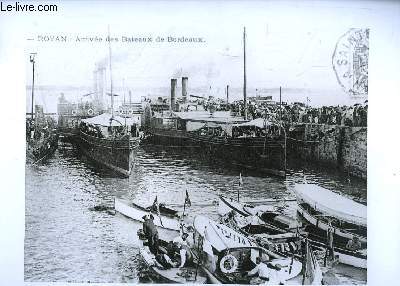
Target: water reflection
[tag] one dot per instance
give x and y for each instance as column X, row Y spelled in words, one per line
column 66, row 241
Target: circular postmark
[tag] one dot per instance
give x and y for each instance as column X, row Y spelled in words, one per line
column 350, row 61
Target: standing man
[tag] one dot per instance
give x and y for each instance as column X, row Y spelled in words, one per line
column 151, row 233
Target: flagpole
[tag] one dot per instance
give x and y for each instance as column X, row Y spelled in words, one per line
column 111, row 79
column 158, row 210
column 184, row 207
column 187, row 200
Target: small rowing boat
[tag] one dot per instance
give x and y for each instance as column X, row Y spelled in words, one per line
column 323, row 209
column 277, row 230
column 267, row 213
column 227, row 257
column 185, row 275
column 167, row 218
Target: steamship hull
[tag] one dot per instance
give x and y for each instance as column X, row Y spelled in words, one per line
column 267, row 156
column 115, row 154
column 171, row 138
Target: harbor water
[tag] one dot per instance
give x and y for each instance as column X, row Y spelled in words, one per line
column 66, row 240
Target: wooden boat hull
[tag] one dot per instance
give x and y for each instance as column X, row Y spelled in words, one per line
column 117, row 155
column 227, row 241
column 185, row 275
column 327, row 203
column 266, row 156
column 320, row 224
column 225, row 206
column 168, row 138
column 136, row 212
column 345, row 256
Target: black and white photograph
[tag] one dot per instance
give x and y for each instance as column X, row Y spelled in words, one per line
column 199, row 143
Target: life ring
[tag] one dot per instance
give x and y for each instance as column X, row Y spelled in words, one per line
column 228, row 264
column 90, row 111
column 73, row 112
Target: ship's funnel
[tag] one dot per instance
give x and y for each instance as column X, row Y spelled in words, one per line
column 184, row 89
column 173, row 88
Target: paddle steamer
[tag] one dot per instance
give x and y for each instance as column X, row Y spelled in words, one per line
column 255, row 144
column 109, row 139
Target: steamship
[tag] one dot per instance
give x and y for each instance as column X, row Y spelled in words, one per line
column 109, row 139
column 253, row 144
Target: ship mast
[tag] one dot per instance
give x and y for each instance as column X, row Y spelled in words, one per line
column 111, row 85
column 244, row 73
column 32, row 60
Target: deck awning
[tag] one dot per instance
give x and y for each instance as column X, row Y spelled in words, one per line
column 220, row 236
column 104, row 120
column 332, row 204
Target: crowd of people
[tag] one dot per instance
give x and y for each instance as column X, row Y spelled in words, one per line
column 354, row 115
column 240, row 132
column 94, row 131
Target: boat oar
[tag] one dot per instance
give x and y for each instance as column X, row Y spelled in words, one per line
column 198, row 259
column 258, row 202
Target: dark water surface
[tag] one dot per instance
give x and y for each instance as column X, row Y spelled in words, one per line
column 66, row 241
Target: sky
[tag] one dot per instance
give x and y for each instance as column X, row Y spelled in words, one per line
column 289, row 44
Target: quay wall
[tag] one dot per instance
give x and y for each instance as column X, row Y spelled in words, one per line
column 338, row 146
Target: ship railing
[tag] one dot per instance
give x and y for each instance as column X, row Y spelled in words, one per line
column 246, row 141
column 124, row 142
column 169, row 132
